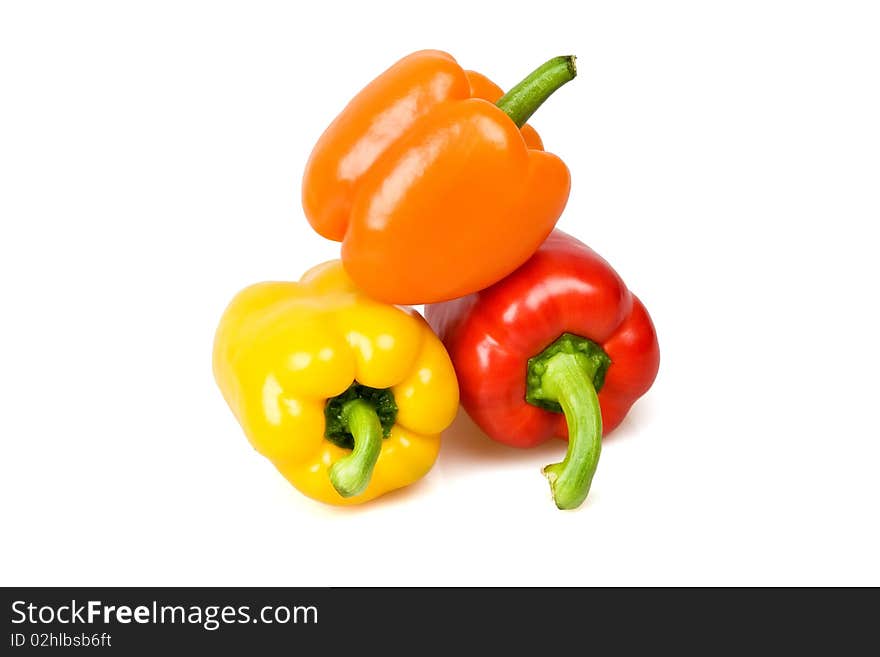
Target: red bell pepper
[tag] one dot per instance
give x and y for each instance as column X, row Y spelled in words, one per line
column 559, row 348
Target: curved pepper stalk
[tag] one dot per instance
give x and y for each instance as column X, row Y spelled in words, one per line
column 567, row 376
column 525, row 98
column 351, row 474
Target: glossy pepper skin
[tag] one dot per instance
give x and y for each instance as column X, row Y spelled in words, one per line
column 422, row 173
column 548, row 338
column 292, row 359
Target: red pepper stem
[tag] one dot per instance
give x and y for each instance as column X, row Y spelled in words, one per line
column 566, row 382
column 525, row 98
column 351, row 474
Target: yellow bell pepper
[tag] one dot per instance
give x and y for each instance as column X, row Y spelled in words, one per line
column 345, row 395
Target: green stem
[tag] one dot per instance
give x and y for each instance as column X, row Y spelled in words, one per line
column 351, row 474
column 524, row 99
column 564, row 382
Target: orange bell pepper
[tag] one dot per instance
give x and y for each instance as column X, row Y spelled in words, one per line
column 433, row 190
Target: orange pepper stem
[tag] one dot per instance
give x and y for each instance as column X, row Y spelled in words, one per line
column 525, row 98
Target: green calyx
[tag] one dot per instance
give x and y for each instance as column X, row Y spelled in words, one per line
column 566, row 378
column 358, row 419
column 588, row 355
column 337, row 429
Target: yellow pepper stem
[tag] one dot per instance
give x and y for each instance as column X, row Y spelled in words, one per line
column 351, row 474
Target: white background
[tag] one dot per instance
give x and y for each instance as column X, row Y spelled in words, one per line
column 724, row 156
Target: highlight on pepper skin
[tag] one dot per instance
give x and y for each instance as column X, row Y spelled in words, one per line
column 345, row 395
